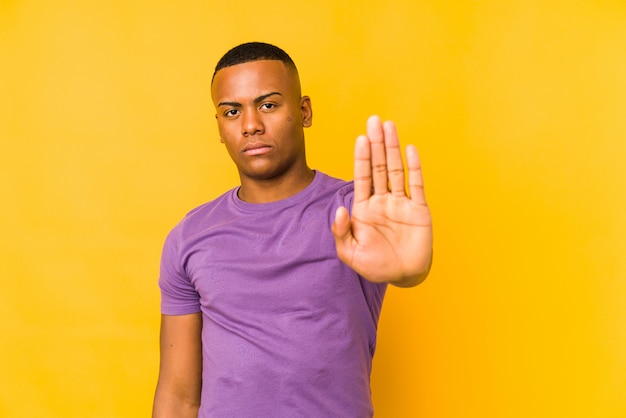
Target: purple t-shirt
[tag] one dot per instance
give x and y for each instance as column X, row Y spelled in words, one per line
column 288, row 329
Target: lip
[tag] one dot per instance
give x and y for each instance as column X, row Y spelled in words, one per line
column 256, row 149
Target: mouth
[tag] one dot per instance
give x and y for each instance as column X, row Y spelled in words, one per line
column 256, row 149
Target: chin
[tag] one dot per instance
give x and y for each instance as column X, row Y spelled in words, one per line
column 261, row 175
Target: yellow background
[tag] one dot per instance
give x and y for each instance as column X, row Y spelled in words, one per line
column 519, row 111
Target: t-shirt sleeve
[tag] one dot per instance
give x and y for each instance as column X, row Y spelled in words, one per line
column 178, row 294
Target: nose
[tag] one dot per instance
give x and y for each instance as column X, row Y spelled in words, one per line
column 251, row 123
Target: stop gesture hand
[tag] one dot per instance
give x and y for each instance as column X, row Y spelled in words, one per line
column 389, row 236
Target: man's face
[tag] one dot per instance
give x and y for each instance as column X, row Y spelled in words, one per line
column 260, row 117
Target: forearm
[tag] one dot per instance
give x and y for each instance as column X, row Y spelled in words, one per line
column 171, row 405
column 179, row 385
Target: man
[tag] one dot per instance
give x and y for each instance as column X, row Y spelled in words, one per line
column 265, row 311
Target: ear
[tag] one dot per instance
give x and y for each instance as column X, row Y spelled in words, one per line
column 307, row 111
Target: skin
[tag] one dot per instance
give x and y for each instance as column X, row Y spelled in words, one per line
column 180, row 371
column 261, row 116
column 390, row 236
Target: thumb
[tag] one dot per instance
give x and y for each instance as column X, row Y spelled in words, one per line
column 342, row 231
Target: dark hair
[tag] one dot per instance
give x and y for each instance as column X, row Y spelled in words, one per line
column 253, row 51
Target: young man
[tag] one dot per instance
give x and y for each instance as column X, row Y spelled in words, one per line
column 271, row 293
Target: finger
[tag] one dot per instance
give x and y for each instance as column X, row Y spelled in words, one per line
column 395, row 169
column 379, row 161
column 342, row 232
column 362, row 169
column 416, row 181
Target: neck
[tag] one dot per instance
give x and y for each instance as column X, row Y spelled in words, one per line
column 274, row 189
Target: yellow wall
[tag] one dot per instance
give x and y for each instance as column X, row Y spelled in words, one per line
column 518, row 108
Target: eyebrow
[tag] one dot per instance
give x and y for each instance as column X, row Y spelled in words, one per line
column 256, row 101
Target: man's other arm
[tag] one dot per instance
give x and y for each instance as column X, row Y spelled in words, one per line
column 180, row 372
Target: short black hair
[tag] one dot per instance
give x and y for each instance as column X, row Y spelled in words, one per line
column 253, row 51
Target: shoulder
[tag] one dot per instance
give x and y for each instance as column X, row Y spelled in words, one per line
column 211, row 205
column 204, row 214
column 333, row 183
column 341, row 190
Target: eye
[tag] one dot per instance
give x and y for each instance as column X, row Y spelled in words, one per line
column 268, row 106
column 231, row 112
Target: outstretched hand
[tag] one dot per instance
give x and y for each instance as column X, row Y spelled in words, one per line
column 389, row 236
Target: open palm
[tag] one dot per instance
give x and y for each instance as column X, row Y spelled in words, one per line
column 389, row 236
